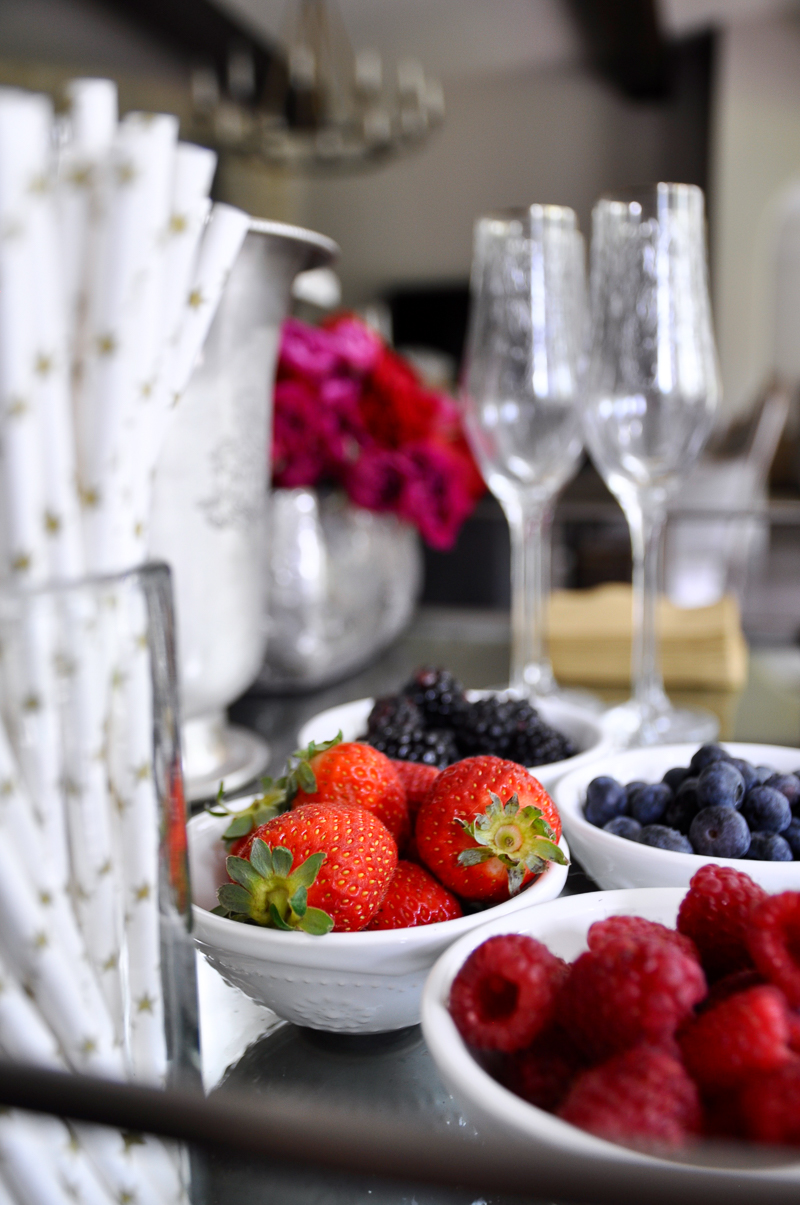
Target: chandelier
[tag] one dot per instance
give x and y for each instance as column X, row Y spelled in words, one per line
column 322, row 106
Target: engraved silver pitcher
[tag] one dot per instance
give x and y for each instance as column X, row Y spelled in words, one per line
column 209, row 507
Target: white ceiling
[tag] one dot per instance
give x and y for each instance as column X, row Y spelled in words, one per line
column 462, row 38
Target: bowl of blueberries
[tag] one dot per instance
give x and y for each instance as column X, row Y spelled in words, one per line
column 650, row 817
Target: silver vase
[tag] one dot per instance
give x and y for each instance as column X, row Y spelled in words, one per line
column 209, row 508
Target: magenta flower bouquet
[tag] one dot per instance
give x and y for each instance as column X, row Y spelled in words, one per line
column 350, row 412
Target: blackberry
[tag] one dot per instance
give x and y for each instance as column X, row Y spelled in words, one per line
column 535, row 743
column 433, row 746
column 439, row 696
column 396, row 712
column 487, row 726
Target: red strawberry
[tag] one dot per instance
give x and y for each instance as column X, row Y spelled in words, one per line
column 417, row 778
column 744, row 1035
column 314, row 868
column 486, row 828
column 414, row 898
column 356, row 773
column 505, row 993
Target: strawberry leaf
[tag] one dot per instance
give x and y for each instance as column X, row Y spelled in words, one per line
column 234, row 898
column 299, row 902
column 316, row 922
column 281, row 861
column 306, row 778
column 307, row 871
column 240, row 870
column 239, row 827
column 261, row 858
column 277, row 919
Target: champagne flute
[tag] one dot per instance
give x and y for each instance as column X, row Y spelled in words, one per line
column 650, row 389
column 520, row 400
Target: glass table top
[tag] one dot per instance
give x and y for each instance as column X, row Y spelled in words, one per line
column 245, row 1046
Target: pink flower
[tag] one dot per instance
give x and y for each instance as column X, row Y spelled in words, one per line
column 378, row 479
column 356, row 345
column 437, row 497
column 302, row 434
column 306, row 351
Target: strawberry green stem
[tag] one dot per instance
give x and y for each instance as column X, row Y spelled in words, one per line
column 520, row 837
column 266, row 891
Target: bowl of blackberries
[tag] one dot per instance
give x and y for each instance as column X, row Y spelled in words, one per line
column 650, row 817
column 432, row 719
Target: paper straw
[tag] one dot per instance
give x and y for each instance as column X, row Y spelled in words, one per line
column 221, row 242
column 194, row 171
column 21, row 158
column 118, row 291
column 30, row 1166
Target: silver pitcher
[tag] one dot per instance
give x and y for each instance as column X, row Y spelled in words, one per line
column 209, row 508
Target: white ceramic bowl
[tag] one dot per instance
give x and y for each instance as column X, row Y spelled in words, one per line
column 615, row 862
column 583, row 728
column 514, row 1128
column 349, row 982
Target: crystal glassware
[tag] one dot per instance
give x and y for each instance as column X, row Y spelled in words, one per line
column 650, row 389
column 520, row 399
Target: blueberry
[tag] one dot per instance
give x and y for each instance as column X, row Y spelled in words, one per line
column 649, row 803
column 624, row 826
column 720, row 832
column 720, row 785
column 791, row 836
column 788, row 785
column 705, row 755
column 631, row 789
column 661, row 837
column 766, row 810
column 769, row 847
column 764, row 772
column 605, row 799
column 682, row 810
column 674, row 777
column 747, row 771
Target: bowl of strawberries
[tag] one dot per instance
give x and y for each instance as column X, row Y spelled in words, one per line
column 329, row 897
column 656, row 1025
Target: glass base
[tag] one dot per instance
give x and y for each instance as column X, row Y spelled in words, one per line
column 632, row 725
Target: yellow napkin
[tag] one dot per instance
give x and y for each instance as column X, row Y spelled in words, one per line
column 590, row 640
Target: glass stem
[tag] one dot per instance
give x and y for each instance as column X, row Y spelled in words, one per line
column 530, row 521
column 646, row 521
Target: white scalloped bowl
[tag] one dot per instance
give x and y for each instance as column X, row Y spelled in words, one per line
column 582, row 727
column 614, row 862
column 348, row 982
column 518, row 1130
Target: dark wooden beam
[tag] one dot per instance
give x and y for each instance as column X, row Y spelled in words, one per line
column 625, row 43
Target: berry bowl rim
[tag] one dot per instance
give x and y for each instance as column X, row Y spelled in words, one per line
column 334, row 949
column 504, row 1118
column 617, row 863
column 351, row 718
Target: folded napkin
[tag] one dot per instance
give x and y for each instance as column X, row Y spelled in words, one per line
column 590, row 640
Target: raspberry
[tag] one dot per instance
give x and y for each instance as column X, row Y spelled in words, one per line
column 714, row 913
column 770, row 1105
column 505, row 993
column 635, row 927
column 744, row 1035
column 641, row 1095
column 739, row 981
column 543, row 1073
column 773, row 938
column 794, row 1032
column 632, row 990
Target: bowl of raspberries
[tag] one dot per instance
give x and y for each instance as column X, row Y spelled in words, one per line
column 649, row 817
column 647, row 1024
column 330, row 896
column 433, row 720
